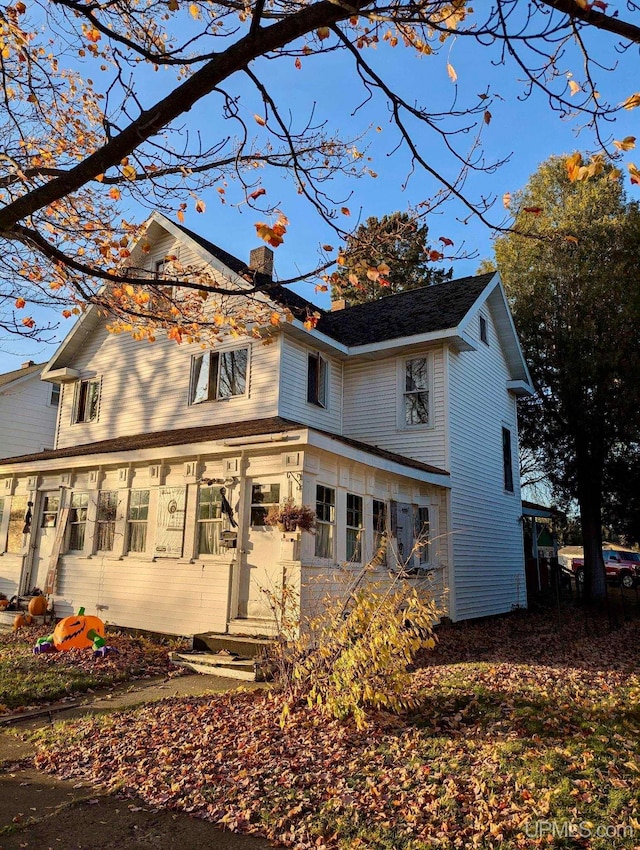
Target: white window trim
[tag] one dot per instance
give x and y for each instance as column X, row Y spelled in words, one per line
column 433, row 549
column 327, row 382
column 505, row 426
column 76, row 400
column 359, row 529
column 401, row 373
column 323, row 559
column 483, row 318
column 221, row 351
column 221, row 521
column 59, row 402
column 86, row 549
column 128, row 522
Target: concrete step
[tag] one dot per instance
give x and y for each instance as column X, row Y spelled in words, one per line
column 217, row 664
column 242, row 647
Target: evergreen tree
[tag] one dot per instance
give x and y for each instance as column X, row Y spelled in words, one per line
column 572, row 274
column 385, row 256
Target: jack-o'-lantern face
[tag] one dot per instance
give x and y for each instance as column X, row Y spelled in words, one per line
column 73, row 632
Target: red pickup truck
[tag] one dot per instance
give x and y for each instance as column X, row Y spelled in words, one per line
column 621, row 567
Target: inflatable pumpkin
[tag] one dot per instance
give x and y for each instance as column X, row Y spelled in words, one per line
column 78, row 631
column 38, row 606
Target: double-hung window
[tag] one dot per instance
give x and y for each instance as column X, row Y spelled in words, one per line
column 137, row 522
column 325, row 521
column 77, row 520
column 219, row 375
column 106, row 520
column 209, row 521
column 416, row 391
column 317, row 377
column 85, row 404
column 354, row 528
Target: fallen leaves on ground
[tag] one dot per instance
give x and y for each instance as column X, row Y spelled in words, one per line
column 522, row 721
column 27, row 679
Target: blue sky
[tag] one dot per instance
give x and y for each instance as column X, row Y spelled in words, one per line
column 524, row 130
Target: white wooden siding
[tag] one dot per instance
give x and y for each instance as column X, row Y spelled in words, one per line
column 27, row 419
column 293, row 388
column 371, row 395
column 145, row 388
column 488, row 560
column 166, row 595
column 321, row 577
column 10, row 571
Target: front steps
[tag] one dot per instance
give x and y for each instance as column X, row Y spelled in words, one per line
column 234, row 656
column 217, row 664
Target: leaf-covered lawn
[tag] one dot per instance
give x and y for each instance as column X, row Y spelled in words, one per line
column 27, row 679
column 523, row 728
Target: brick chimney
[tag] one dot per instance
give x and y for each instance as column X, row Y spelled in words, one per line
column 261, row 260
column 339, row 304
column 28, row 364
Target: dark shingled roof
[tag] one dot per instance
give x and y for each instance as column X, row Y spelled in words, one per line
column 185, row 436
column 418, row 311
column 9, row 377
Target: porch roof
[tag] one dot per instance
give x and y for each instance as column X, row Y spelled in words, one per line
column 229, row 430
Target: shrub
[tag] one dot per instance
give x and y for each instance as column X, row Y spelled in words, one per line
column 355, row 656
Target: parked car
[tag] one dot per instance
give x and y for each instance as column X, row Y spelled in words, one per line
column 621, row 567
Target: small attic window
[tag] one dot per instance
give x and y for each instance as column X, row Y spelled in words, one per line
column 484, row 333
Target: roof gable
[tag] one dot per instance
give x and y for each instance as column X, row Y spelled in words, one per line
column 19, row 374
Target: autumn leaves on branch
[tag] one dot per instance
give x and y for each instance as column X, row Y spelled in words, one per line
column 92, row 137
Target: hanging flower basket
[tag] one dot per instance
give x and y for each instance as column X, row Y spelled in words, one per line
column 289, row 517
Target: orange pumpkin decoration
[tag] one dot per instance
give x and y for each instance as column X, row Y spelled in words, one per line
column 38, row 606
column 4, row 603
column 19, row 622
column 73, row 632
column 28, row 619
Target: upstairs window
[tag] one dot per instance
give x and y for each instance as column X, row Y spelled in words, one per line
column 54, row 398
column 85, row 404
column 317, row 372
column 484, row 333
column 416, row 392
column 219, row 375
column 507, row 460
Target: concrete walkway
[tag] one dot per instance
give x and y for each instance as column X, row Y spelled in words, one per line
column 38, row 812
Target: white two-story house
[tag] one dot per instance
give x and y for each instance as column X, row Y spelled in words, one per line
column 396, row 417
